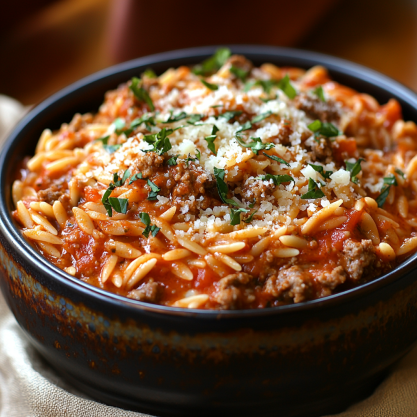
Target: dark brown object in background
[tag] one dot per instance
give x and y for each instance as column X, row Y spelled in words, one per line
column 141, row 28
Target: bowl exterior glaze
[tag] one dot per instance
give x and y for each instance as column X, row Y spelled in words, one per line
column 301, row 360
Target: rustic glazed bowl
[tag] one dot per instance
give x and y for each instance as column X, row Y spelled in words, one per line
column 309, row 359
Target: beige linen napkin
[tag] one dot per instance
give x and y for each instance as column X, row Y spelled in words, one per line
column 30, row 388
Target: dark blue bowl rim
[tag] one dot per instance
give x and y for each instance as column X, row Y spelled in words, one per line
column 306, row 59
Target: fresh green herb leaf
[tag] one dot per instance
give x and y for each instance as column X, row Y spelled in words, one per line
column 214, row 130
column 391, row 180
column 148, row 119
column 245, row 126
column 111, row 148
column 173, row 160
column 239, row 73
column 213, row 63
column 126, row 175
column 191, row 159
column 103, row 140
column 135, row 177
column 383, row 196
column 320, row 170
column 154, row 190
column 198, row 154
column 397, row 170
column 325, row 129
column 256, row 145
column 159, row 141
column 286, row 86
column 146, row 220
column 261, row 116
column 105, row 199
column 275, row 158
column 267, row 85
column 119, row 124
column 251, row 205
column 194, row 118
column 217, row 105
column 248, row 86
column 222, row 187
column 150, row 73
column 229, row 115
column 354, row 168
column 265, row 100
column 235, row 215
column 210, row 139
column 140, row 93
column 277, row 179
column 313, row 191
column 318, row 91
column 119, row 204
column 250, row 218
column 177, row 118
column 210, row 86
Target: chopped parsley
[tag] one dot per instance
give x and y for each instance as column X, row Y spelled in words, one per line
column 229, row 115
column 135, row 177
column 173, row 160
column 210, row 86
column 214, row 63
column 388, row 181
column 239, row 73
column 222, row 187
column 256, row 145
column 111, row 148
column 194, row 118
column 261, row 117
column 149, row 228
column 250, row 218
column 325, row 129
column 275, row 158
column 277, row 179
column 177, row 118
column 210, row 139
column 154, row 190
column 235, row 215
column 354, row 168
column 118, row 204
column 286, row 86
column 159, row 141
column 245, row 126
column 191, row 159
column 140, row 93
column 397, row 170
column 103, row 139
column 318, row 91
column 313, row 191
column 320, row 170
column 150, row 73
column 148, row 119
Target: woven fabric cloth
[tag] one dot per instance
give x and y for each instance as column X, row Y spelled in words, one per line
column 30, row 388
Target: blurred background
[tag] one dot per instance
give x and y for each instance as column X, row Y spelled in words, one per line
column 48, row 44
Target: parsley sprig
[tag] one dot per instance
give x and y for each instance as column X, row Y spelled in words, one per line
column 277, row 179
column 229, row 115
column 210, row 139
column 354, row 168
column 388, row 182
column 313, row 191
column 140, row 93
column 214, row 63
column 318, row 91
column 149, row 228
column 256, row 145
column 239, row 73
column 284, row 84
column 118, row 204
column 276, row 158
column 320, row 170
column 177, row 118
column 325, row 129
column 154, row 190
column 159, row 141
column 210, row 86
column 222, row 187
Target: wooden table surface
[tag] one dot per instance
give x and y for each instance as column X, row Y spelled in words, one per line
column 69, row 40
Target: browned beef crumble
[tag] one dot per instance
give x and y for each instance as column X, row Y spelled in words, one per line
column 150, row 292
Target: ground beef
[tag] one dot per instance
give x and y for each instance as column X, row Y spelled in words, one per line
column 148, row 164
column 330, row 280
column 314, row 108
column 290, row 284
column 55, row 192
column 234, row 291
column 284, row 133
column 357, row 257
column 321, row 150
column 150, row 292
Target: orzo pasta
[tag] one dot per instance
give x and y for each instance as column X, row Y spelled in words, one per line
column 225, row 186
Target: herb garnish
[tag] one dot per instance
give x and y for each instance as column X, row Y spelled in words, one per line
column 154, row 190
column 286, row 86
column 135, row 177
column 103, row 139
column 111, row 148
column 222, row 187
column 277, row 179
column 194, row 118
column 210, row 86
column 150, row 73
column 140, row 93
column 118, row 204
column 275, row 158
column 250, row 218
column 210, row 139
column 229, row 115
column 191, row 159
column 261, row 117
column 213, row 63
column 146, row 220
column 313, row 191
column 318, row 91
column 256, row 145
column 354, row 168
column 159, row 141
column 325, row 129
column 388, row 181
column 245, row 126
column 320, row 170
column 239, row 73
column 177, row 118
column 173, row 160
column 399, row 172
column 235, row 215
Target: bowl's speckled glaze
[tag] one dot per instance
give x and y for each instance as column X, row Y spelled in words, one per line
column 302, row 360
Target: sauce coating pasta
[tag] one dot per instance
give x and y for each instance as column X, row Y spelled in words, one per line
column 225, row 186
